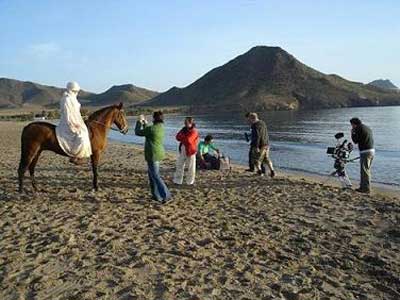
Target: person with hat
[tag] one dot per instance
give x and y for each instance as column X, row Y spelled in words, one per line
column 72, row 133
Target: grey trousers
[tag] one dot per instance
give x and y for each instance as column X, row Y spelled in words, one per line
column 262, row 158
column 365, row 171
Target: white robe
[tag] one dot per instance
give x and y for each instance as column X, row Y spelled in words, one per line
column 72, row 133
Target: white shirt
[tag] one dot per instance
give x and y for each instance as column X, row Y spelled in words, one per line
column 372, row 151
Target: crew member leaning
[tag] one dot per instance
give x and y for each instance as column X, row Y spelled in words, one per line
column 362, row 135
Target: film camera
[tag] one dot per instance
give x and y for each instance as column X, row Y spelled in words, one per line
column 341, row 154
column 342, row 149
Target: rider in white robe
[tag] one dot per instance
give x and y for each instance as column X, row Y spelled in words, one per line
column 72, row 133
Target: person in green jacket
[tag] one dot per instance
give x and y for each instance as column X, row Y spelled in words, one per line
column 154, row 153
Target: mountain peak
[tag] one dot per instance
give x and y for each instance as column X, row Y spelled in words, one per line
column 263, row 48
column 126, row 93
column 266, row 51
column 384, row 84
column 123, row 87
column 269, row 78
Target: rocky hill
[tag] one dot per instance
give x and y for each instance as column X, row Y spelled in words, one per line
column 127, row 93
column 383, row 84
column 16, row 93
column 269, row 78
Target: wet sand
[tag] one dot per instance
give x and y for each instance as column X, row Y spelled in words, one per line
column 233, row 236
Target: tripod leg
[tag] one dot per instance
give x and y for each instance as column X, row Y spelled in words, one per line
column 344, row 180
column 347, row 180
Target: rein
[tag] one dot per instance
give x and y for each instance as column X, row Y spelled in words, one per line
column 114, row 129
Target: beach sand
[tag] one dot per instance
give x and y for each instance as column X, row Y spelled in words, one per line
column 234, row 236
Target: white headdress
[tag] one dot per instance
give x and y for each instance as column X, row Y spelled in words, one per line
column 73, row 86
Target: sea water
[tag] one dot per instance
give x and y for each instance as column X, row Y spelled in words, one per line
column 298, row 138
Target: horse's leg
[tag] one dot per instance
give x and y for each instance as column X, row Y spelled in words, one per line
column 21, row 173
column 32, row 170
column 95, row 163
column 24, row 164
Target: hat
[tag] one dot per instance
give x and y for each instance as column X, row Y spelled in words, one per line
column 73, row 86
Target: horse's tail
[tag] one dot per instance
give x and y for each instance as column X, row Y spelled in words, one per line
column 23, row 162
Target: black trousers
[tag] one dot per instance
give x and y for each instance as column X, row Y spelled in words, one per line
column 212, row 161
column 251, row 161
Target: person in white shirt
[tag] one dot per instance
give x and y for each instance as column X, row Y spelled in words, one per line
column 362, row 136
column 72, row 133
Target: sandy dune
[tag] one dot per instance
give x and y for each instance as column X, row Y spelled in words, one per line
column 228, row 237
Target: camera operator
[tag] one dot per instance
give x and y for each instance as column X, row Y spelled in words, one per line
column 362, row 135
column 248, row 139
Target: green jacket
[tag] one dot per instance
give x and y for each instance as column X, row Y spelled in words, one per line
column 153, row 147
column 205, row 148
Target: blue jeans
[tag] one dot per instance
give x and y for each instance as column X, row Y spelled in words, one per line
column 158, row 188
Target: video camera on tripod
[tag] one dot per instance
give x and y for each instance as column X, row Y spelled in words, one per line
column 342, row 149
column 341, row 154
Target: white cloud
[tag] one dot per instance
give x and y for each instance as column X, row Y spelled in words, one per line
column 43, row 50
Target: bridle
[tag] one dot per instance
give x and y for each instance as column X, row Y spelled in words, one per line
column 123, row 130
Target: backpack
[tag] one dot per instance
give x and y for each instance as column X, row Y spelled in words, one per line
column 225, row 163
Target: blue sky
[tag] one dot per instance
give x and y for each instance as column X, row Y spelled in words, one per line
column 160, row 44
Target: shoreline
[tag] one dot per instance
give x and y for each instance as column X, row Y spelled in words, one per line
column 379, row 188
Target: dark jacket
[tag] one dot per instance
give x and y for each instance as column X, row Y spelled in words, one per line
column 362, row 135
column 259, row 135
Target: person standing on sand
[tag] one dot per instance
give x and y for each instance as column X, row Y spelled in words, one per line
column 251, row 163
column 188, row 139
column 362, row 135
column 154, row 153
column 259, row 146
column 72, row 133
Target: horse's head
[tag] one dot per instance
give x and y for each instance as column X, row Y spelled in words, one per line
column 120, row 119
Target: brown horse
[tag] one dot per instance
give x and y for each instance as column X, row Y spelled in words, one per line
column 40, row 136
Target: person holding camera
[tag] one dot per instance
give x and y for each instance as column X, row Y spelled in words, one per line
column 259, row 146
column 362, row 135
column 154, row 153
column 188, row 139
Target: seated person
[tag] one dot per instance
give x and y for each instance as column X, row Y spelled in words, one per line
column 207, row 160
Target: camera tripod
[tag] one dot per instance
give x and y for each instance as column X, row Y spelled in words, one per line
column 340, row 172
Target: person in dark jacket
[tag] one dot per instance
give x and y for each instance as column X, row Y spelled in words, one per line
column 154, row 153
column 259, row 146
column 362, row 136
column 251, row 163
